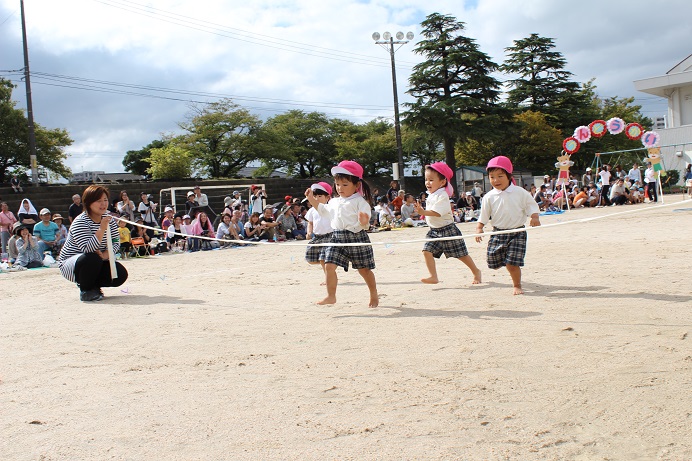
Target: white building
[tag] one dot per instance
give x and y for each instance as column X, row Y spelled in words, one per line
column 676, row 86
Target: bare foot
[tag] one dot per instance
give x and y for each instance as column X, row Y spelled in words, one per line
column 327, row 300
column 374, row 301
column 518, row 291
column 430, row 280
column 477, row 278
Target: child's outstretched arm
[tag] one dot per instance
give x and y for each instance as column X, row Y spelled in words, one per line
column 479, row 230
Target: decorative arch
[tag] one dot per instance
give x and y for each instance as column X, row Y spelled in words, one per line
column 614, row 126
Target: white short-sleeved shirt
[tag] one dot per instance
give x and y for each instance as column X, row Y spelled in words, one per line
column 605, row 177
column 343, row 212
column 507, row 208
column 320, row 225
column 438, row 201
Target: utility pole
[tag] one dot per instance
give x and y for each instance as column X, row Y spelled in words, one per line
column 29, row 105
column 389, row 40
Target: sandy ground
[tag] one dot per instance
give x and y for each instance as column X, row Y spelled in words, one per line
column 223, row 355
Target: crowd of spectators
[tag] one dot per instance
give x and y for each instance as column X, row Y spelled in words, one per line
column 32, row 238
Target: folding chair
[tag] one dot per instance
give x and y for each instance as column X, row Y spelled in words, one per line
column 140, row 247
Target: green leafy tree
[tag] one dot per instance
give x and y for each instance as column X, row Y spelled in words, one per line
column 136, row 161
column 372, row 144
column 170, row 162
column 14, row 140
column 423, row 148
column 455, row 92
column 301, row 142
column 543, row 84
column 221, row 137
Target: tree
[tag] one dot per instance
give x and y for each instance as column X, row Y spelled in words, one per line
column 14, row 140
column 372, row 144
column 170, row 162
column 221, row 137
column 302, row 143
column 456, row 93
column 136, row 161
column 543, row 84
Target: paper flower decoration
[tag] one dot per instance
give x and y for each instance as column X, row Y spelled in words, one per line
column 650, row 139
column 634, row 131
column 615, row 125
column 598, row 128
column 570, row 145
column 582, row 134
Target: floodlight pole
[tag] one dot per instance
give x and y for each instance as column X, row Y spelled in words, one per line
column 29, row 105
column 397, row 125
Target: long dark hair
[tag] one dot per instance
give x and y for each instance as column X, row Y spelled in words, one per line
column 367, row 195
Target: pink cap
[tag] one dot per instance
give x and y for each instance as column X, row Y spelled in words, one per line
column 348, row 167
column 500, row 162
column 446, row 171
column 322, row 186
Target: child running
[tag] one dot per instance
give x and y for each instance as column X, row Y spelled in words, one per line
column 507, row 206
column 438, row 215
column 349, row 216
column 319, row 226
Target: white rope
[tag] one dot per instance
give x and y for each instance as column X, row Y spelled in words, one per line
column 458, row 237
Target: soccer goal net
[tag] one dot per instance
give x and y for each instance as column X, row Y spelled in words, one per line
column 177, row 196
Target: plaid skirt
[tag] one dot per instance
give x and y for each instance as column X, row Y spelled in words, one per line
column 316, row 254
column 450, row 248
column 506, row 249
column 360, row 257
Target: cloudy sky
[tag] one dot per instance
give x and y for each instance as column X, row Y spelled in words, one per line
column 117, row 73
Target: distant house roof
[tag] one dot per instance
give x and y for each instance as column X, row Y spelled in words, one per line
column 248, row 171
column 117, row 177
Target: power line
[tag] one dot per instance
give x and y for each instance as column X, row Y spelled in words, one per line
column 244, row 36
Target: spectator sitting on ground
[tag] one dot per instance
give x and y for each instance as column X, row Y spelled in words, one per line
column 237, row 224
column 287, row 224
column 541, row 197
column 186, row 226
column 385, row 214
column 253, row 227
column 635, row 195
column 75, row 207
column 28, row 249
column 581, row 198
column 62, row 232
column 201, row 227
column 299, row 213
column 27, row 214
column 45, row 231
column 175, row 240
column 270, row 226
column 468, row 202
column 559, row 199
column 618, row 194
column 408, row 211
column 12, row 243
column 594, row 195
column 226, row 231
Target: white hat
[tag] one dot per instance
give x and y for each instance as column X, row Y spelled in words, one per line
column 44, row 211
column 588, row 169
column 468, row 193
column 190, row 193
column 168, row 208
column 187, row 216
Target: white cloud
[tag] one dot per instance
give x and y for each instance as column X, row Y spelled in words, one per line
column 612, row 42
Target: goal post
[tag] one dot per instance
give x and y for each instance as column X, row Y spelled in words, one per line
column 177, row 196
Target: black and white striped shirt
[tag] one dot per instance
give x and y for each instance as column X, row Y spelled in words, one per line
column 82, row 239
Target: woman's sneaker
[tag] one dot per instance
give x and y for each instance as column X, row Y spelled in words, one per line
column 91, row 295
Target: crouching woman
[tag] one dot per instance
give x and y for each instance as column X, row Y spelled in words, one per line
column 84, row 256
